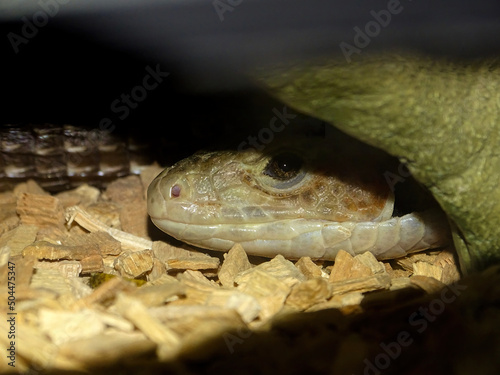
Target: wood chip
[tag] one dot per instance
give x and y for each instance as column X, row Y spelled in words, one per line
column 134, row 218
column 202, row 329
column 40, row 210
column 428, row 284
column 107, row 213
column 124, row 190
column 83, row 195
column 136, row 312
column 91, row 264
column 426, row 269
column 308, row 293
column 448, row 262
column 41, row 351
column 105, row 292
column 79, row 287
column 177, row 258
column 369, row 260
column 164, row 279
column 18, row 238
column 196, row 324
column 235, row 262
column 244, row 304
column 165, row 251
column 348, row 267
column 362, row 284
column 24, row 270
column 8, row 215
column 49, row 251
column 186, row 319
column 398, row 271
column 196, row 279
column 63, row 326
column 443, row 269
column 445, row 257
column 107, row 349
column 107, row 245
column 339, row 301
column 269, row 291
column 128, row 192
column 51, row 279
column 400, row 283
column 51, row 234
column 200, row 262
column 128, row 241
column 309, row 269
column 4, row 264
column 67, row 268
column 451, row 274
column 157, row 271
column 283, row 270
column 134, row 264
column 407, row 261
column 157, row 295
column 7, row 197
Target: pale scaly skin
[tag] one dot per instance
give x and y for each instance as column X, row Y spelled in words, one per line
column 336, row 200
column 440, row 117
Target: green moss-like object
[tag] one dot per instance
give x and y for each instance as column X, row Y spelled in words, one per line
column 440, row 117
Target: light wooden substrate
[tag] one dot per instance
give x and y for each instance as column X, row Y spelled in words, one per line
column 69, row 318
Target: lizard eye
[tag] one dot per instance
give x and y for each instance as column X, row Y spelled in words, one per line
column 284, row 166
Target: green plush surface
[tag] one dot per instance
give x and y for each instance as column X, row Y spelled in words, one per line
column 440, row 117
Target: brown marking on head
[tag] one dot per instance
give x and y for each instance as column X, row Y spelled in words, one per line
column 308, row 196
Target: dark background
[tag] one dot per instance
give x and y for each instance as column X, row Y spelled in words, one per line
column 89, row 53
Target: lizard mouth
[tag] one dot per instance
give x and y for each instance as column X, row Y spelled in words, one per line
column 318, row 239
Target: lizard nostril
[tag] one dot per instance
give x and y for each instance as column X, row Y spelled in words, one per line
column 175, row 191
